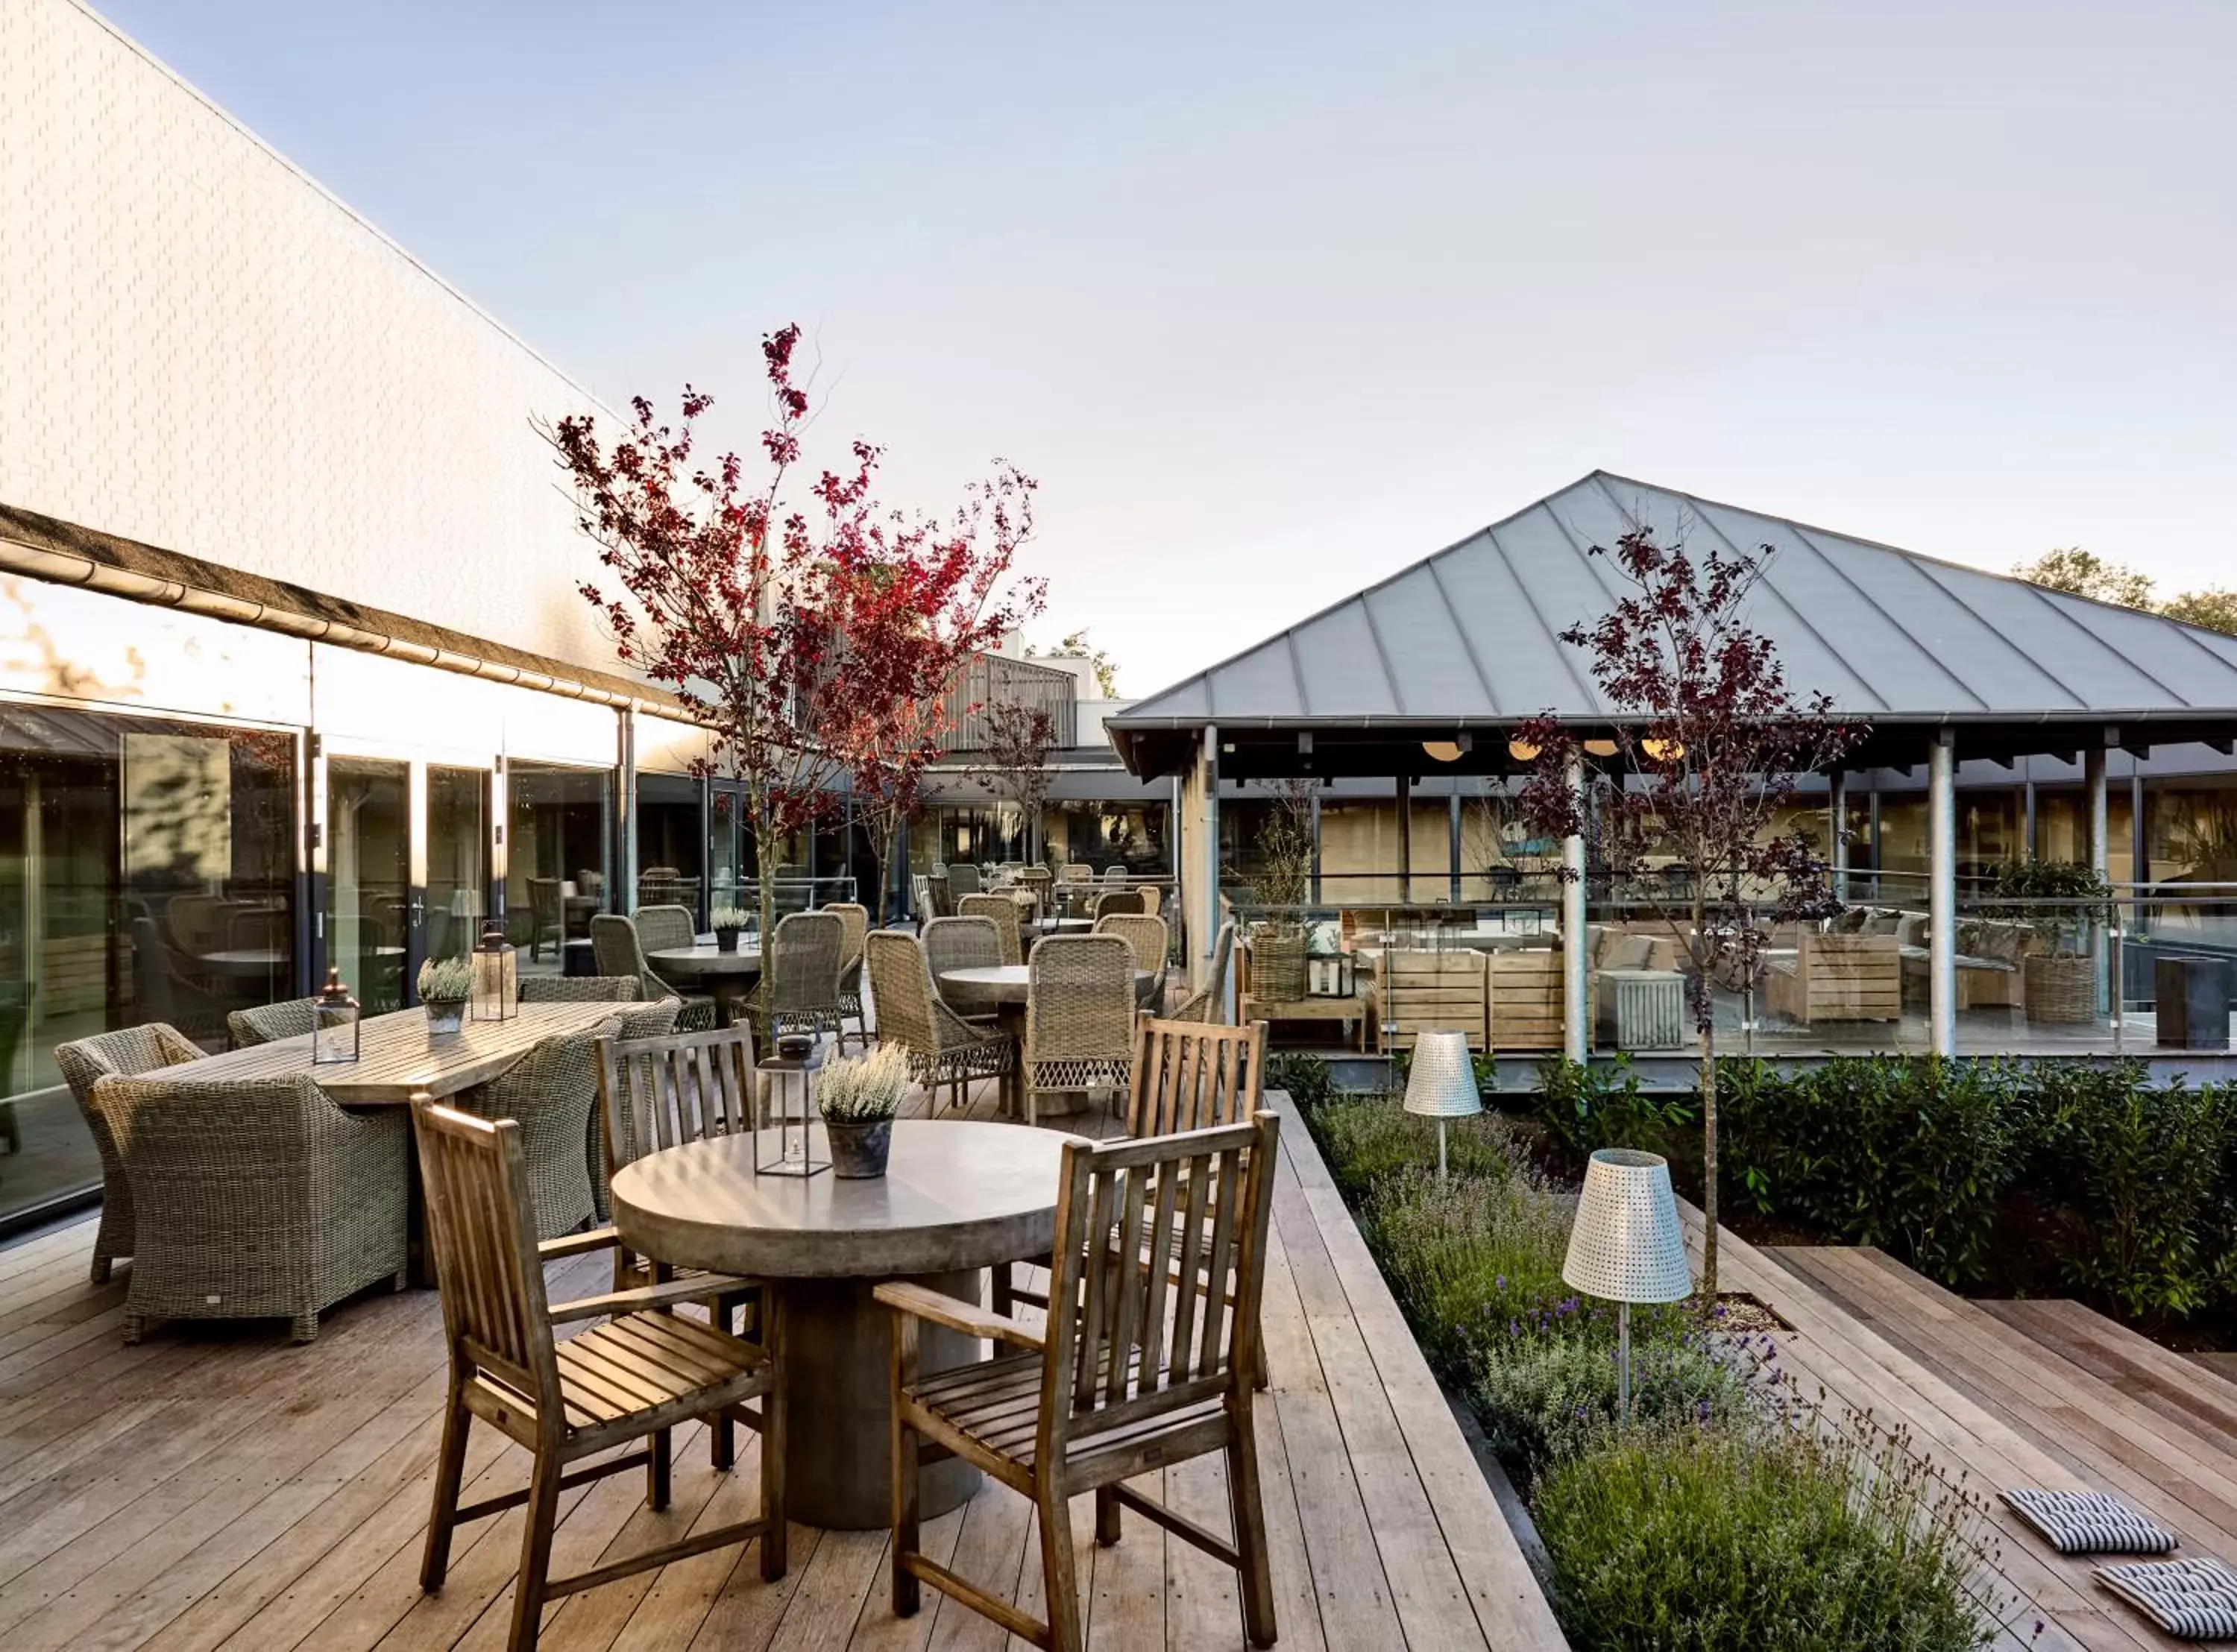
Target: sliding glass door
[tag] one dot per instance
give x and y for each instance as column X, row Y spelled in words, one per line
column 369, row 877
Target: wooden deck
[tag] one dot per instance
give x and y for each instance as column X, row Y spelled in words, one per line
column 2015, row 1393
column 218, row 1487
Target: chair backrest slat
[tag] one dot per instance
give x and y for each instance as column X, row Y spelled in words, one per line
column 474, row 1173
column 1160, row 1244
column 657, row 1093
column 1194, row 1075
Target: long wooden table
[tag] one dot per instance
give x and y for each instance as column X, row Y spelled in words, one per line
column 397, row 1063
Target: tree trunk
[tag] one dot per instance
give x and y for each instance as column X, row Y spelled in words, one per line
column 765, row 849
column 1709, row 1160
column 888, row 846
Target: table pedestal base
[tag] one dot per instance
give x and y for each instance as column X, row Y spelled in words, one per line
column 838, row 1359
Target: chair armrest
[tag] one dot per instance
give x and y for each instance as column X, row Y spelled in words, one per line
column 645, row 1297
column 967, row 1319
column 552, row 1250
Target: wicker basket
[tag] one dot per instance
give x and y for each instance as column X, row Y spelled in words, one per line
column 2062, row 988
column 1278, row 965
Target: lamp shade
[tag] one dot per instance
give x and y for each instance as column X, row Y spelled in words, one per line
column 1442, row 1082
column 1626, row 1246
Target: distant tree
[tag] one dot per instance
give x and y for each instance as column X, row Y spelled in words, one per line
column 2214, row 608
column 1711, row 744
column 1075, row 646
column 1018, row 740
column 2083, row 573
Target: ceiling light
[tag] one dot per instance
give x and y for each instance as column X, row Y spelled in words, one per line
column 1445, row 751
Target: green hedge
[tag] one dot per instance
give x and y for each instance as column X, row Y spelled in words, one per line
column 1975, row 1172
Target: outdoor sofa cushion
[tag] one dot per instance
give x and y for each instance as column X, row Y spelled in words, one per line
column 2088, row 1523
column 2196, row 1599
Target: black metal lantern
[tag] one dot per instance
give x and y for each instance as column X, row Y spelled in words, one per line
column 334, row 1023
column 497, row 976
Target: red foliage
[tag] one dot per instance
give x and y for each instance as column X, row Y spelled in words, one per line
column 805, row 636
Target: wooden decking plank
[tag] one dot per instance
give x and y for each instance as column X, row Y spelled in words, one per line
column 2177, row 1385
column 1124, row 1587
column 876, row 1628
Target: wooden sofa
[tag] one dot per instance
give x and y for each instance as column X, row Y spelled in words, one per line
column 1837, row 977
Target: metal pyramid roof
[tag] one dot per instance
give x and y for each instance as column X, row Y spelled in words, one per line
column 1471, row 633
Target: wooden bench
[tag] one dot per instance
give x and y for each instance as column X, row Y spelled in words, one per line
column 1417, row 991
column 1837, row 977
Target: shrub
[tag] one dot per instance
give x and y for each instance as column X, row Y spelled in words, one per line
column 1307, row 1078
column 2141, row 1175
column 1753, row 1536
column 1588, row 1107
column 1366, row 1139
column 1469, row 1258
column 1541, row 1398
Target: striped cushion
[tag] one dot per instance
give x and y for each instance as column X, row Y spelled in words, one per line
column 2088, row 1522
column 2196, row 1599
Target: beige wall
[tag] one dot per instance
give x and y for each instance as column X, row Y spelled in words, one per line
column 200, row 349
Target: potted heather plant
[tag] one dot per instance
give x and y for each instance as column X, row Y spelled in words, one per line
column 859, row 1099
column 730, row 924
column 445, row 984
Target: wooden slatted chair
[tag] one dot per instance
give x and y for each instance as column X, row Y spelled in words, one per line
column 1189, row 1076
column 660, row 1092
column 637, row 1376
column 1144, row 1371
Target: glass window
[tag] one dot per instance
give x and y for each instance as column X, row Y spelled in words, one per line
column 368, row 878
column 148, row 872
column 558, row 829
column 670, row 853
column 1132, row 835
column 457, row 858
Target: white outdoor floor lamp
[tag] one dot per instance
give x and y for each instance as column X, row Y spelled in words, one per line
column 1441, row 1085
column 1626, row 1246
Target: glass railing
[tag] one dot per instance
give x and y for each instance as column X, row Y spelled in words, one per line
column 2153, row 968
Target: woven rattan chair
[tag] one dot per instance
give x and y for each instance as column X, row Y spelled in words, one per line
column 1080, row 1016
column 962, row 944
column 653, row 1020
column 1002, row 912
column 1114, row 876
column 551, row 1091
column 255, row 1198
column 799, row 988
column 125, row 1053
column 1153, row 898
column 263, row 1023
column 1075, row 871
column 618, row 949
column 1149, row 939
column 854, row 922
column 1209, row 1002
column 962, row 880
column 637, row 1375
column 1148, row 1374
column 1117, row 901
column 943, row 1048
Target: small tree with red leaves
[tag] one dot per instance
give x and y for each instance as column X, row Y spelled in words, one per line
column 1689, row 818
column 934, row 604
column 766, row 616
column 1018, row 740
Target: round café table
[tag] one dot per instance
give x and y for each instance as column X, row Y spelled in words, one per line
column 1004, row 987
column 958, row 1198
column 727, row 977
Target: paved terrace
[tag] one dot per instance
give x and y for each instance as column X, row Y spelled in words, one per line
column 217, row 1487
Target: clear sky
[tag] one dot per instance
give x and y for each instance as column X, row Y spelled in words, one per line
column 1276, row 299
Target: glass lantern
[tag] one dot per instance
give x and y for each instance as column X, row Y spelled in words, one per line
column 334, row 1023
column 1330, row 975
column 497, row 976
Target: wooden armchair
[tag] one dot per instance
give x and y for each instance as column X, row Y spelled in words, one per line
column 1139, row 1368
column 637, row 1376
column 1837, row 977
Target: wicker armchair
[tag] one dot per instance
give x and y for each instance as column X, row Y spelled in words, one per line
column 855, row 921
column 1209, row 1002
column 799, row 988
column 618, row 947
column 264, row 1023
column 962, row 880
column 1149, row 940
column 654, row 1020
column 962, row 944
column 123, row 1054
column 581, row 989
column 255, row 1198
column 553, row 1091
column 1002, row 912
column 942, row 1048
column 1116, row 902
column 1079, row 1017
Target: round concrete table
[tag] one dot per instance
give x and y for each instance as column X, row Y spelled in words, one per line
column 728, row 977
column 1004, row 987
column 958, row 1198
